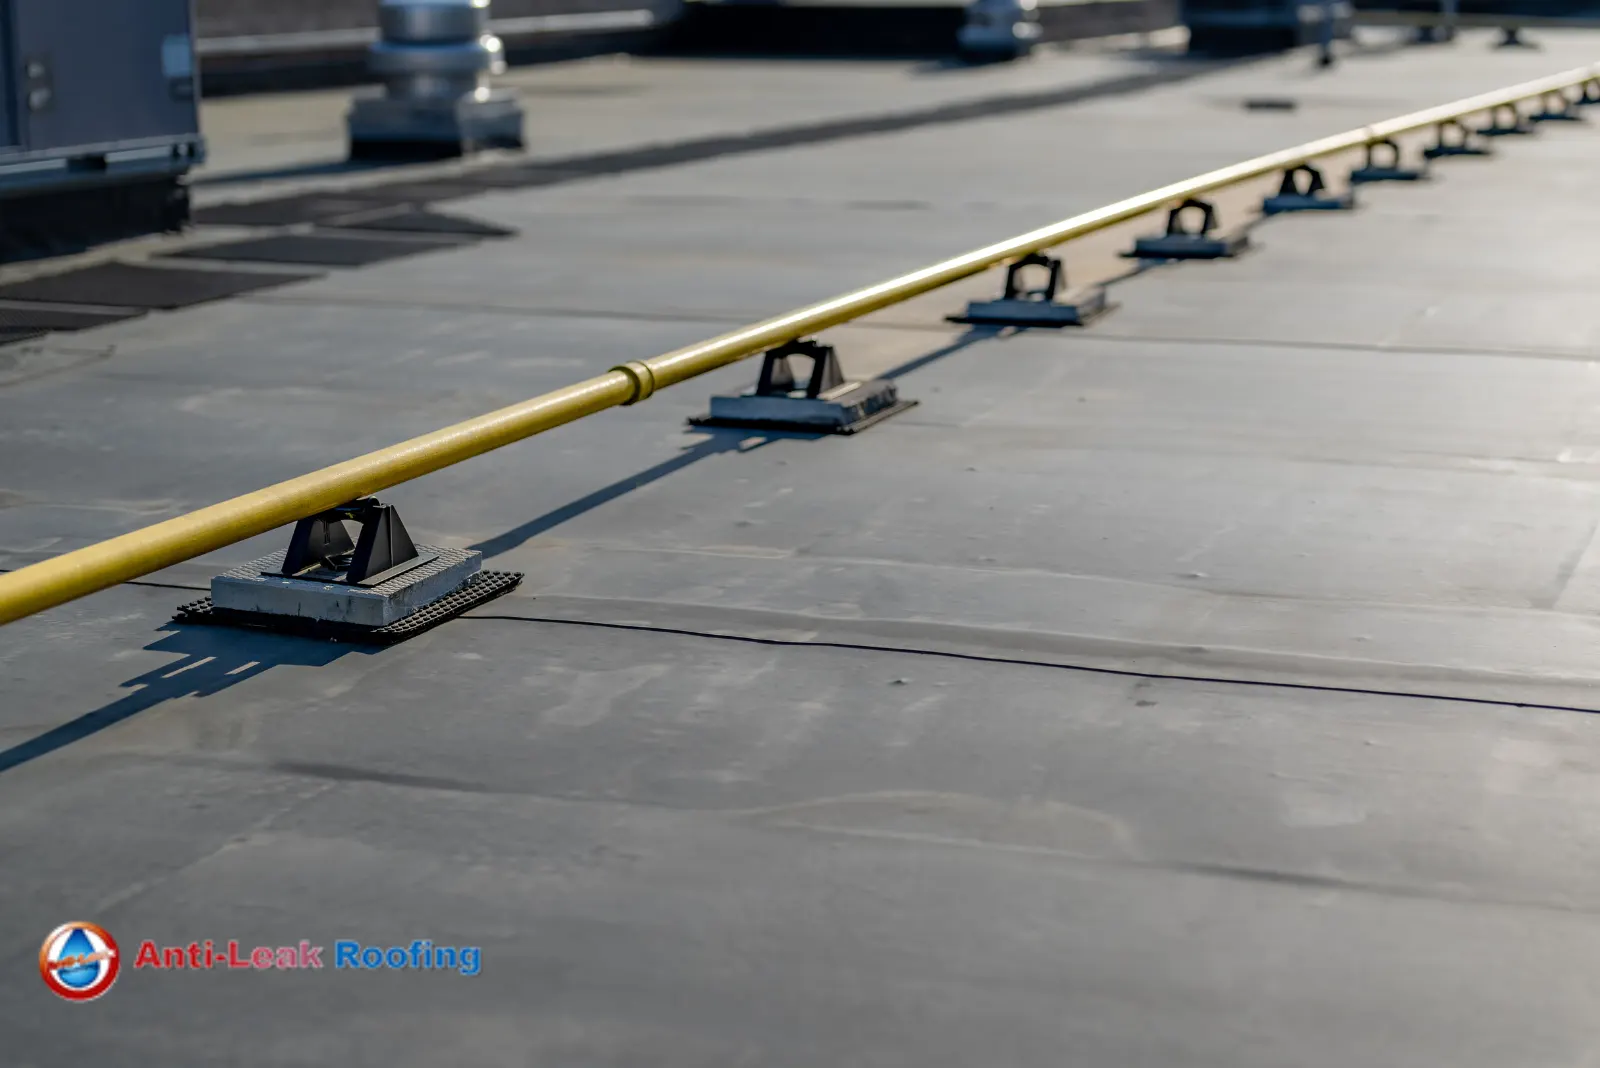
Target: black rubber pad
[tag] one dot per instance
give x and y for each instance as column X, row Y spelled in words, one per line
column 289, row 211
column 44, row 319
column 419, row 221
column 130, row 285
column 321, row 250
column 481, row 588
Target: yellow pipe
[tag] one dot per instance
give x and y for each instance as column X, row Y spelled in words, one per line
column 95, row 567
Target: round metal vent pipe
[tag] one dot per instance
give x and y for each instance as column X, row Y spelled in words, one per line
column 428, row 49
column 435, row 58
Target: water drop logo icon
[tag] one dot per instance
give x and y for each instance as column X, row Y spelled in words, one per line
column 79, row 961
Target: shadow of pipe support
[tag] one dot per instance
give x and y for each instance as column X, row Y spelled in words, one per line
column 210, row 661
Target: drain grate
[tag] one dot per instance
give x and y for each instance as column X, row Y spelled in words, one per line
column 320, row 250
column 130, row 285
column 419, row 221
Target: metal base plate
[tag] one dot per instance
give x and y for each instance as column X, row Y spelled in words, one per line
column 802, row 428
column 1189, row 247
column 848, row 409
column 1287, row 202
column 481, row 588
column 1079, row 307
column 1504, row 131
column 323, row 574
column 1362, row 175
column 379, row 125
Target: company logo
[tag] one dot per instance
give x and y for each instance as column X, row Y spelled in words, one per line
column 79, row 961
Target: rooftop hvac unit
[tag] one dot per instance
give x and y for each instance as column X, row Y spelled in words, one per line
column 99, row 123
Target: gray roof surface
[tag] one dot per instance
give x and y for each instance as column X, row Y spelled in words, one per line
column 1208, row 687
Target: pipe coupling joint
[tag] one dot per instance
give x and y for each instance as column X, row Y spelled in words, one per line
column 643, row 379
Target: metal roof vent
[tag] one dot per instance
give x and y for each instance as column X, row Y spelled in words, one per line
column 435, row 58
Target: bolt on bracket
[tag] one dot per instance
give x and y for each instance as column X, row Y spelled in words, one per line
column 1451, row 138
column 1511, row 37
column 321, row 550
column 1557, row 106
column 1383, row 164
column 1181, row 243
column 377, row 589
column 1311, row 195
column 1499, row 127
column 1049, row 304
column 828, row 403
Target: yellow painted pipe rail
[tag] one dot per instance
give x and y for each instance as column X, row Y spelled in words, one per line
column 84, row 571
